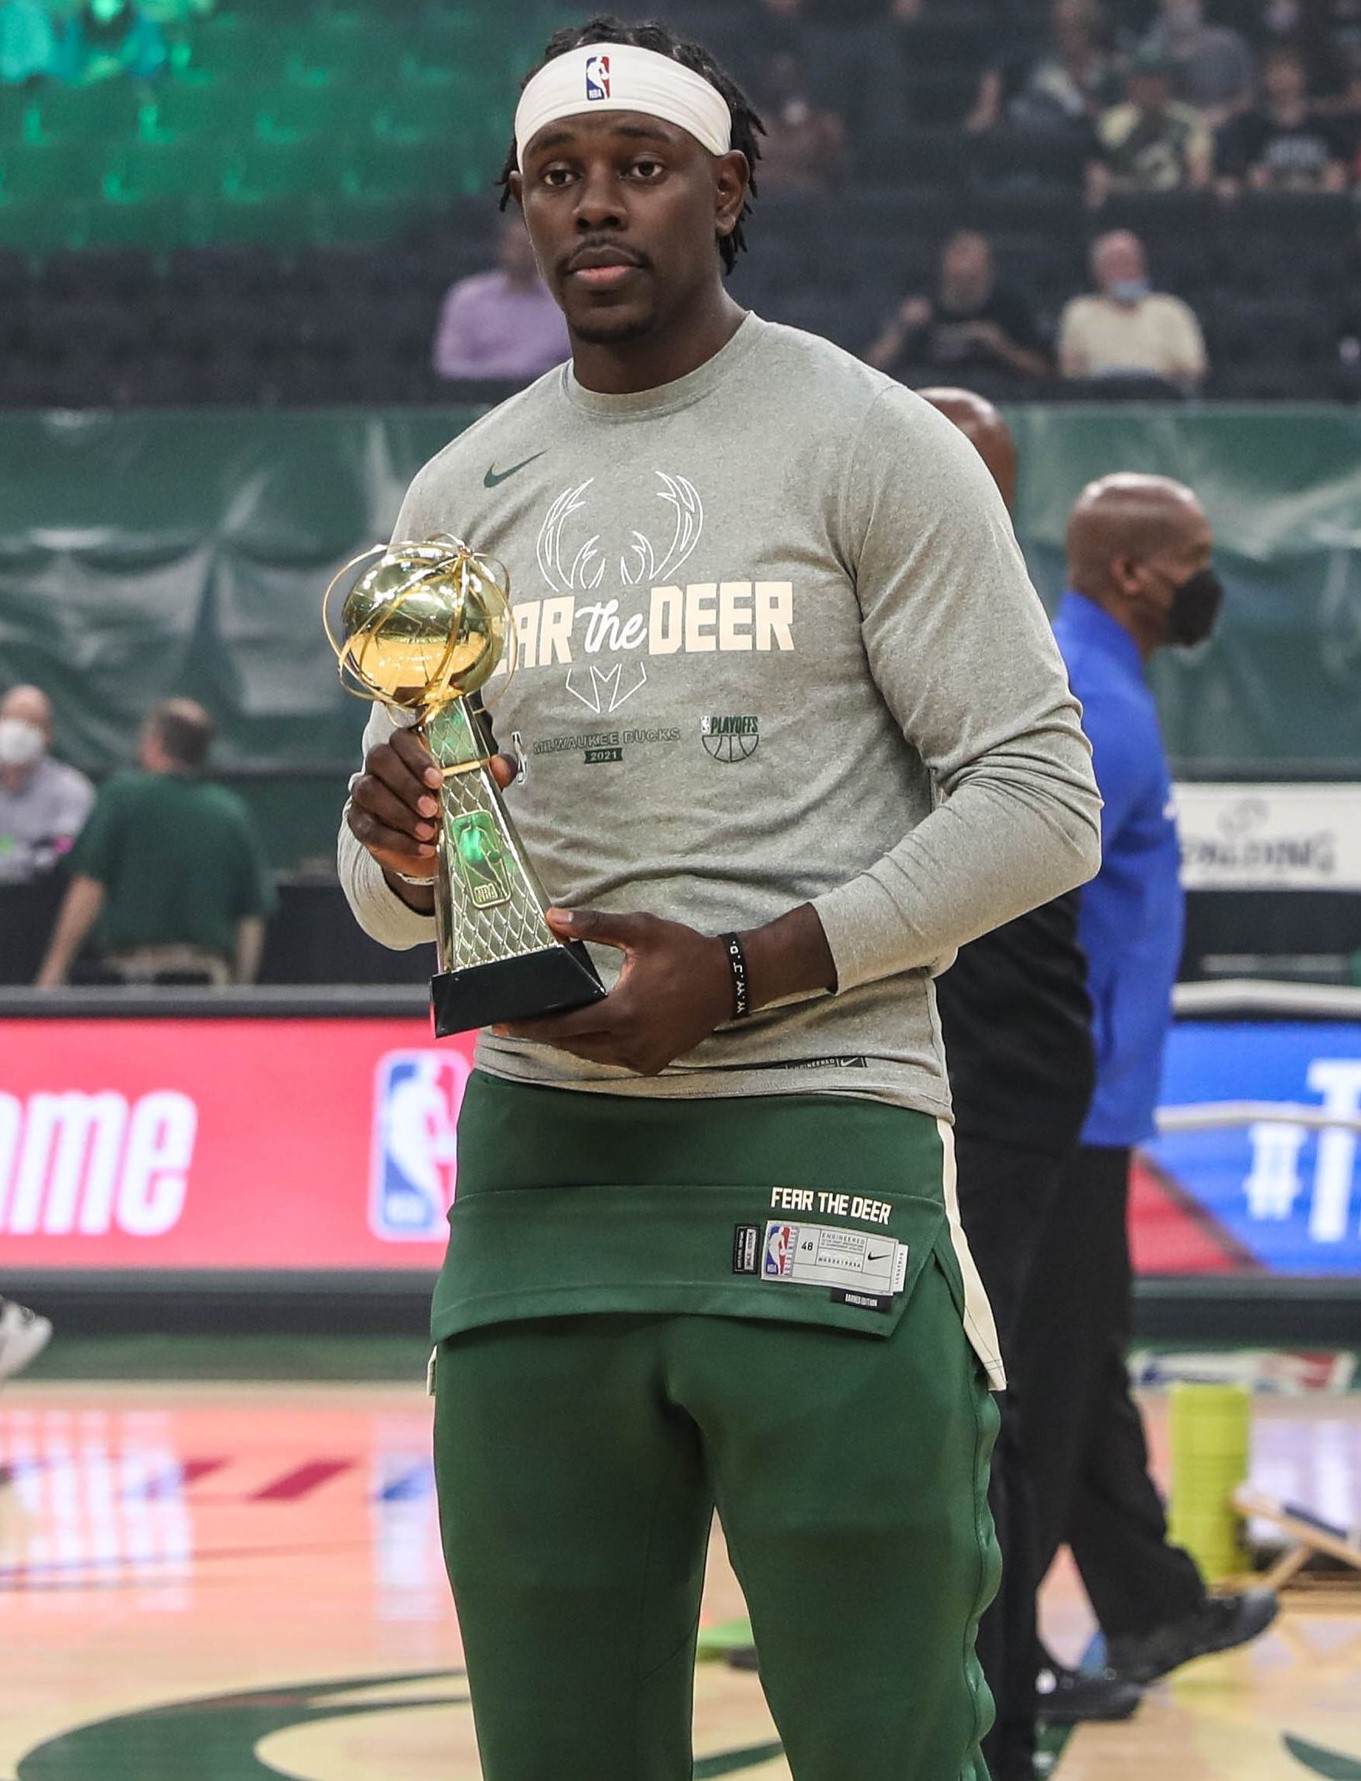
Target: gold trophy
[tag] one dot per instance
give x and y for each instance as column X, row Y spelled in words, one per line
column 421, row 630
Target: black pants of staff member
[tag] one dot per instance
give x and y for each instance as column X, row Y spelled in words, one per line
column 1005, row 1194
column 1086, row 1454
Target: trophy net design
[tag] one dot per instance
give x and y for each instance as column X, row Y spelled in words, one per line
column 422, row 630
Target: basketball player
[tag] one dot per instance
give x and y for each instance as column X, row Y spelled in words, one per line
column 705, row 1250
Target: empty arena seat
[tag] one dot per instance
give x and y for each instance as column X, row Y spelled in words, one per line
column 142, row 170
column 247, row 271
column 64, row 114
column 225, row 109
column 1274, row 348
column 1023, row 161
column 125, row 275
column 292, row 113
column 262, row 171
column 50, row 171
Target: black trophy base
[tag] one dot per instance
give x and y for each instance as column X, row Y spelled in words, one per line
column 553, row 981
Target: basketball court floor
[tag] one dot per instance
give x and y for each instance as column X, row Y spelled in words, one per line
column 218, row 1581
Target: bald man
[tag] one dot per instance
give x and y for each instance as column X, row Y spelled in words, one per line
column 43, row 803
column 1017, row 1026
column 1139, row 580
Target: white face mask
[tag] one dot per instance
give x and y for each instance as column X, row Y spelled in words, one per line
column 22, row 744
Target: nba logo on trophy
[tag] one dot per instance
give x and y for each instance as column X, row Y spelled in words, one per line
column 415, row 1147
column 597, row 77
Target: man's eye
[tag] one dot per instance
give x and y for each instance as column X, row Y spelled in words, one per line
column 555, row 176
column 648, row 169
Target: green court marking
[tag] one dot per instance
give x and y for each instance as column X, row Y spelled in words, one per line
column 723, row 1636
column 1331, row 1764
column 213, row 1738
column 217, row 1737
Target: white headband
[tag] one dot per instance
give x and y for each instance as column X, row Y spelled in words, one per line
column 622, row 77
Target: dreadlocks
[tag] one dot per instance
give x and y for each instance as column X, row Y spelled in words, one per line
column 746, row 125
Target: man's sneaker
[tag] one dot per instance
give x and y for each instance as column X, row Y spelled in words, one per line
column 1068, row 1697
column 1218, row 1624
column 23, row 1335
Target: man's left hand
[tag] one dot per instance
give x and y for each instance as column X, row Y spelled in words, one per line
column 674, row 989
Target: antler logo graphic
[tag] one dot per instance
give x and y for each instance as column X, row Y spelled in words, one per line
column 611, row 681
column 639, row 564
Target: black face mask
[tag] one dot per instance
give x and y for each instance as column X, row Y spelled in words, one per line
column 1195, row 607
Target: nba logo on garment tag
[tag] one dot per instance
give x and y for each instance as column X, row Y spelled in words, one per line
column 597, row 77
column 780, row 1251
column 416, row 1100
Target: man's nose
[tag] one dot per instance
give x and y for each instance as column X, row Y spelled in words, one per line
column 600, row 202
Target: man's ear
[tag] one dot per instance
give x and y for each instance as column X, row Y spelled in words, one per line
column 732, row 179
column 1125, row 576
column 516, row 186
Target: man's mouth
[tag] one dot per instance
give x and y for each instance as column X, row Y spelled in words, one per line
column 601, row 268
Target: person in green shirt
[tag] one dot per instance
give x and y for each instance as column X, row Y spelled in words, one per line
column 168, row 875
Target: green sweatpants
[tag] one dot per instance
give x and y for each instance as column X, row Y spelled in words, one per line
column 578, row 1462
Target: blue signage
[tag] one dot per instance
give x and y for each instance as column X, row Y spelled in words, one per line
column 1286, row 1193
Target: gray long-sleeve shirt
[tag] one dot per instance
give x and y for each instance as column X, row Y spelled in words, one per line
column 776, row 645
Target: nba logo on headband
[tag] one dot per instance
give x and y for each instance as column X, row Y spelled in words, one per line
column 597, row 77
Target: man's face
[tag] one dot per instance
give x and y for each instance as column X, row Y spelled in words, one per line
column 1118, row 260
column 624, row 213
column 1283, row 77
column 1149, row 91
column 966, row 260
column 1185, row 549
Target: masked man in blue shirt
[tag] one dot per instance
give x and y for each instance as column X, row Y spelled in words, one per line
column 1139, row 580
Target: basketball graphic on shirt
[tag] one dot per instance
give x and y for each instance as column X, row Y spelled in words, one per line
column 730, row 738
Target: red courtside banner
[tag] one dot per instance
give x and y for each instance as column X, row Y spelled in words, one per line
column 226, row 1144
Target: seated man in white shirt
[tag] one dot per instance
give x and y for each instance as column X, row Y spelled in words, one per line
column 1127, row 328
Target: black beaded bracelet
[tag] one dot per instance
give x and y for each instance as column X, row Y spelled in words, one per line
column 737, row 964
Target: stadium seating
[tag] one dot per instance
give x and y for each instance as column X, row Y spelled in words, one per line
column 332, row 164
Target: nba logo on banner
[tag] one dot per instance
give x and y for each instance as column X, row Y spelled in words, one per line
column 415, row 1148
column 779, row 1250
column 597, row 77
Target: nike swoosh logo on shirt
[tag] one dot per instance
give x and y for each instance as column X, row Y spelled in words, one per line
column 495, row 476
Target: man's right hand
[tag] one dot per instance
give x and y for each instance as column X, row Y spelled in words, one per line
column 394, row 810
column 394, row 806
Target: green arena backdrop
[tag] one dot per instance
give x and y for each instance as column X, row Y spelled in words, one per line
column 145, row 554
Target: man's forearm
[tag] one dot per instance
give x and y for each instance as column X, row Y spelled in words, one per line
column 250, row 946
column 788, row 957
column 1006, row 840
column 79, row 912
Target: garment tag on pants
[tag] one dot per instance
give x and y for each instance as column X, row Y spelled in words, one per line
column 827, row 1255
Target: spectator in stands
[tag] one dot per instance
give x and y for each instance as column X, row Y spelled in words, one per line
column 1127, row 328
column 169, row 867
column 1282, row 144
column 970, row 323
column 1065, row 89
column 1212, row 67
column 1151, row 143
column 504, row 323
column 28, row 41
column 43, row 803
column 110, row 40
column 852, row 51
column 804, row 149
